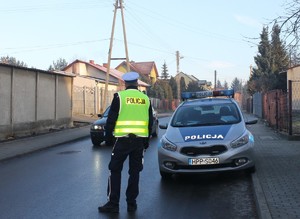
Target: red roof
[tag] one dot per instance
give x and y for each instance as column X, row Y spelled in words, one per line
column 141, row 67
column 113, row 72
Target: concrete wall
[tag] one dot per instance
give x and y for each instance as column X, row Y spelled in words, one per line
column 46, row 83
column 33, row 101
column 5, row 96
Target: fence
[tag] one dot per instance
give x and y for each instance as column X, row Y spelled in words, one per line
column 257, row 105
column 88, row 101
column 280, row 110
column 275, row 109
column 164, row 105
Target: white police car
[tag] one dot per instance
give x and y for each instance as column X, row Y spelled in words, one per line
column 206, row 134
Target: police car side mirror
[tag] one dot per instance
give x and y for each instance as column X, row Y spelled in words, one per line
column 251, row 121
column 163, row 126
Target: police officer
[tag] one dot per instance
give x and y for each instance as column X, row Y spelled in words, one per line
column 130, row 121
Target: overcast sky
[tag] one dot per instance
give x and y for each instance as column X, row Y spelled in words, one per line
column 209, row 34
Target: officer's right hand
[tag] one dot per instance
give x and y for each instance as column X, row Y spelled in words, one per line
column 109, row 140
column 146, row 143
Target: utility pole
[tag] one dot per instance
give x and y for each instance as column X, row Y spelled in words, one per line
column 118, row 5
column 178, row 57
column 215, row 87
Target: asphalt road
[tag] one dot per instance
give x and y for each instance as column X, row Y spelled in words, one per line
column 70, row 181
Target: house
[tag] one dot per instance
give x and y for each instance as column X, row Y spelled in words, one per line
column 89, row 86
column 191, row 78
column 97, row 75
column 293, row 75
column 146, row 69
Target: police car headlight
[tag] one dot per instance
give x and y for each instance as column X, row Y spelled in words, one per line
column 96, row 127
column 167, row 145
column 240, row 141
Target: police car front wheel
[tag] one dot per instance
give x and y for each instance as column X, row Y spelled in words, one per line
column 250, row 170
column 165, row 175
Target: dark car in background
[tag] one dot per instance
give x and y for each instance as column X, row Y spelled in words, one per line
column 97, row 131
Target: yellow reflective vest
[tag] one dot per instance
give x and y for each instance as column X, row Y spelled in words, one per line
column 133, row 114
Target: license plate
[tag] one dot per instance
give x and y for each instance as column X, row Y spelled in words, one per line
column 204, row 161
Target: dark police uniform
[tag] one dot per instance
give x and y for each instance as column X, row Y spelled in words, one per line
column 120, row 122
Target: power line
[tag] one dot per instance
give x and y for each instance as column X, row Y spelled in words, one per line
column 47, row 47
column 149, row 33
column 64, row 6
column 177, row 23
column 146, row 47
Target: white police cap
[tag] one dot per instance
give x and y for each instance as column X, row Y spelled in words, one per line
column 130, row 76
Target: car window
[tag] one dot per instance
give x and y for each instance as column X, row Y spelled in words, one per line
column 105, row 114
column 217, row 114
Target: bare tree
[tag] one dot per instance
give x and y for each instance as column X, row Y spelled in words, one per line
column 290, row 22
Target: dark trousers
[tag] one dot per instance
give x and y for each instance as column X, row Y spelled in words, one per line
column 124, row 147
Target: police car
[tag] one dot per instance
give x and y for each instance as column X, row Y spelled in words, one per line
column 206, row 133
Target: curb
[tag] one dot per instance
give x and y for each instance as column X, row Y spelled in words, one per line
column 15, row 149
column 260, row 199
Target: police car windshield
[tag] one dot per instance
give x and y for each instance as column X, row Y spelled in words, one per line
column 206, row 115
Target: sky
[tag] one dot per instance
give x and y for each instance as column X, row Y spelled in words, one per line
column 210, row 35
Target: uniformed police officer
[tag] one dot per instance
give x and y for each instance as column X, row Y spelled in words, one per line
column 130, row 121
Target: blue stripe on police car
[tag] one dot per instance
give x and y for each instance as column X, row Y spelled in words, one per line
column 204, row 133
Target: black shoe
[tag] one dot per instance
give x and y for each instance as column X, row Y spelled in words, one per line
column 131, row 207
column 109, row 207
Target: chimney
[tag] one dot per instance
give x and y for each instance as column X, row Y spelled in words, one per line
column 105, row 65
column 92, row 62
